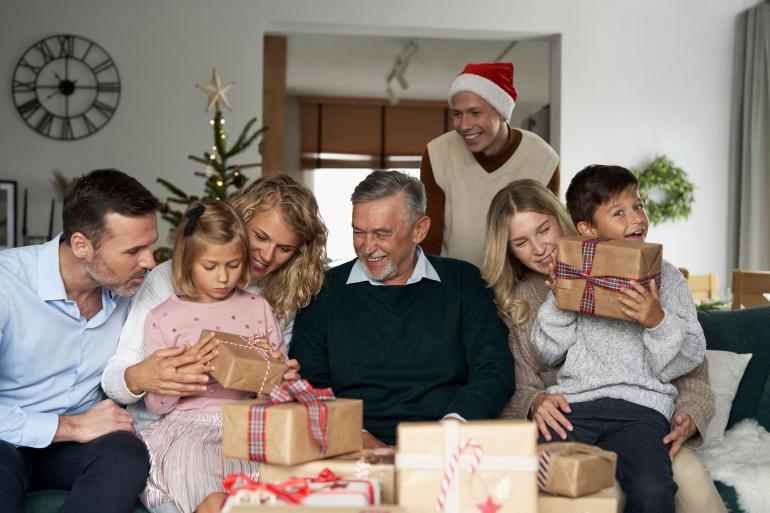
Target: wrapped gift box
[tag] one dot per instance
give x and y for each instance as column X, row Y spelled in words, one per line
column 323, row 490
column 574, row 469
column 504, row 452
column 613, row 264
column 377, row 464
column 235, row 508
column 287, row 436
column 241, row 365
column 605, row 501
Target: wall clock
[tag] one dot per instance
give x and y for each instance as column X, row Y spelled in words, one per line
column 66, row 87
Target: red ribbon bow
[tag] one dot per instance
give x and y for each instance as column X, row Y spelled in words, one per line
column 613, row 283
column 293, row 490
column 302, row 392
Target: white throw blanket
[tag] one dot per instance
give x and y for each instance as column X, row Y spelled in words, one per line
column 742, row 460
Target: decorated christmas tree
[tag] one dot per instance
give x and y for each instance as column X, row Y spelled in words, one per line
column 222, row 178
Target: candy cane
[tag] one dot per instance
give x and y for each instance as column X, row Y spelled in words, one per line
column 452, row 468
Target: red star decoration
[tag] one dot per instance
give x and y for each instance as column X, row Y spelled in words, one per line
column 489, row 506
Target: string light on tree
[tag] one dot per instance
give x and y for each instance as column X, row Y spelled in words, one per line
column 222, row 178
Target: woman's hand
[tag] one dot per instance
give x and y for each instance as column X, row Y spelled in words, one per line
column 551, row 281
column 548, row 410
column 159, row 374
column 684, row 428
column 212, row 503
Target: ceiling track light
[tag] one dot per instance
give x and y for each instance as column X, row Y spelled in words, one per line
column 397, row 71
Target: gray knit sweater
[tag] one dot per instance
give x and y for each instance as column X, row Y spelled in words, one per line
column 606, row 357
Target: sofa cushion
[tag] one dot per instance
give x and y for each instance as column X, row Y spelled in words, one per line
column 50, row 501
column 744, row 331
column 725, row 373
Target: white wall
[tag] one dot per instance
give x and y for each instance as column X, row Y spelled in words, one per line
column 637, row 79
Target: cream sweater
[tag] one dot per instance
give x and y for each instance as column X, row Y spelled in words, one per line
column 469, row 189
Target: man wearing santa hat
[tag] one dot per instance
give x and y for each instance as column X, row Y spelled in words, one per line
column 463, row 169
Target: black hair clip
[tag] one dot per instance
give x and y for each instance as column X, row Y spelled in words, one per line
column 192, row 216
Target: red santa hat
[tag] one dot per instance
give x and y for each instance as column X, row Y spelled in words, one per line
column 491, row 81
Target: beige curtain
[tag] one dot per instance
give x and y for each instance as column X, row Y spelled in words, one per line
column 750, row 143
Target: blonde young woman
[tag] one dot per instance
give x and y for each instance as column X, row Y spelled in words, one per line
column 524, row 222
column 287, row 241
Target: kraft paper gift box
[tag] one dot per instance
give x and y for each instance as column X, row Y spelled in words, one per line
column 605, row 501
column 284, row 435
column 377, row 464
column 590, row 281
column 504, row 452
column 241, row 365
column 574, row 469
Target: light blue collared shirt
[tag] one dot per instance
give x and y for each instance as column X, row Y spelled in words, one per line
column 422, row 269
column 51, row 358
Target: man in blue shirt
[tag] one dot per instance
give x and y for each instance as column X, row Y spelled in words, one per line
column 62, row 306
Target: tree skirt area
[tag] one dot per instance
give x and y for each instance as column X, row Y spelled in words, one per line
column 742, row 460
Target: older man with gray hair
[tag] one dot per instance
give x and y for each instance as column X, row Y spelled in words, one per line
column 416, row 337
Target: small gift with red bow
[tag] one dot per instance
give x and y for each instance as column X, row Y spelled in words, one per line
column 298, row 423
column 324, row 489
column 592, row 273
column 245, row 363
column 377, row 464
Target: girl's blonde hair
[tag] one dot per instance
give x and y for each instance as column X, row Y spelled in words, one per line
column 501, row 270
column 206, row 222
column 293, row 285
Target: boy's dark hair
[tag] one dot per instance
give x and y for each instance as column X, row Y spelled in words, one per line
column 595, row 185
column 94, row 195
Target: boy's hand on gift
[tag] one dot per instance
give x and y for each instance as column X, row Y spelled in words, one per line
column 642, row 305
column 548, row 410
column 159, row 374
column 103, row 418
column 684, row 428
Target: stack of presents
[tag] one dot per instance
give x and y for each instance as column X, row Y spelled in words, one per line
column 312, row 460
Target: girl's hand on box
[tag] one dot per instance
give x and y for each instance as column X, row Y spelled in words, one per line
column 642, row 305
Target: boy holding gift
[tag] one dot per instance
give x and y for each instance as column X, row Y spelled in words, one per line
column 617, row 374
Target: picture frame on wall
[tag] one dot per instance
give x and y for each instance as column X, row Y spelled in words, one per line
column 7, row 214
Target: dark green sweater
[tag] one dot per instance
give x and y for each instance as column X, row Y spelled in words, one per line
column 412, row 352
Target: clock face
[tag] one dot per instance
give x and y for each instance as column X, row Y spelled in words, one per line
column 66, row 87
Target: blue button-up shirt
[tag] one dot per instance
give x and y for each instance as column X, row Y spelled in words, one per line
column 422, row 269
column 51, row 357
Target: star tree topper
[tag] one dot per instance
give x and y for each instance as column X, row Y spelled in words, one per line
column 216, row 91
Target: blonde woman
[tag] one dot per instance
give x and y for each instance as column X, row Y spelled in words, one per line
column 524, row 222
column 287, row 241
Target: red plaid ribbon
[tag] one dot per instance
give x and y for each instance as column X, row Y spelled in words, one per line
column 613, row 283
column 302, row 392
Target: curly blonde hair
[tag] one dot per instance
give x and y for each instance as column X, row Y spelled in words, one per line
column 293, row 285
column 501, row 270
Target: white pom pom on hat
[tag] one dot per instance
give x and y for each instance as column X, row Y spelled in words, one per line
column 491, row 81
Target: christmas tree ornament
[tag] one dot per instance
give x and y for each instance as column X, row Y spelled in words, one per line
column 216, row 92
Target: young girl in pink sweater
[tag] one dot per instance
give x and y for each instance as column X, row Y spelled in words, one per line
column 210, row 265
